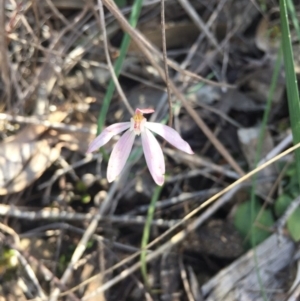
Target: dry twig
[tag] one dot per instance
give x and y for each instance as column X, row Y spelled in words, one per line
column 164, row 47
column 4, row 59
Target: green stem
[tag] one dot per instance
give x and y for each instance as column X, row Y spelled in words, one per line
column 291, row 81
column 146, row 232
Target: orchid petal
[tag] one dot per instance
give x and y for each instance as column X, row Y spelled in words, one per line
column 120, row 155
column 107, row 134
column 170, row 135
column 144, row 111
column 154, row 157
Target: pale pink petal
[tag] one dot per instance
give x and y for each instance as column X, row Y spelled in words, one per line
column 120, row 155
column 170, row 135
column 144, row 111
column 154, row 157
column 107, row 134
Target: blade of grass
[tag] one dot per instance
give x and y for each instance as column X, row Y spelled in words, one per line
column 135, row 12
column 291, row 81
column 293, row 14
column 146, row 233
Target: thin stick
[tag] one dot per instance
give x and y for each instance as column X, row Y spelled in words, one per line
column 185, row 280
column 11, row 232
column 164, row 47
column 4, row 59
column 46, row 123
column 176, row 200
column 50, row 229
column 56, row 214
column 110, row 66
column 190, row 10
column 45, row 271
column 198, row 161
column 31, row 275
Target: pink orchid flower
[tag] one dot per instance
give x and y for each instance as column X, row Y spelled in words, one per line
column 138, row 125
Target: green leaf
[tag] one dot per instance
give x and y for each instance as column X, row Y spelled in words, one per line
column 86, row 198
column 291, row 171
column 294, row 191
column 120, row 3
column 293, row 225
column 291, row 81
column 282, row 203
column 244, row 223
column 80, row 186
